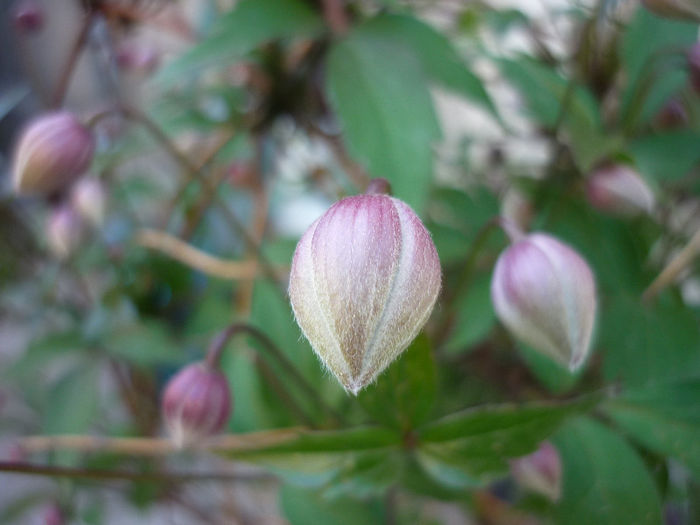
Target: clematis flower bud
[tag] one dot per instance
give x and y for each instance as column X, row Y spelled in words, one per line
column 64, row 231
column 88, row 199
column 28, row 16
column 620, row 190
column 196, row 403
column 364, row 279
column 539, row 471
column 53, row 151
column 544, row 293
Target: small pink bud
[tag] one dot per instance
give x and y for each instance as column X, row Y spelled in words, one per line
column 28, row 16
column 620, row 190
column 137, row 58
column 196, row 404
column 64, row 231
column 53, row 151
column 539, row 471
column 677, row 9
column 364, row 279
column 89, row 200
column 544, row 293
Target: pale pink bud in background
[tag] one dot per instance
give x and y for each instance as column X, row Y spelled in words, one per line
column 53, row 151
column 364, row 280
column 539, row 471
column 137, row 58
column 619, row 189
column 544, row 293
column 678, row 9
column 517, row 209
column 89, row 200
column 28, row 16
column 64, row 231
column 196, row 404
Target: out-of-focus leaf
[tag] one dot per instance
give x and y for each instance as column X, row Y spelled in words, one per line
column 642, row 49
column 436, row 55
column 379, row 91
column 43, row 350
column 302, row 507
column 474, row 315
column 367, row 474
column 72, row 402
column 552, row 98
column 403, row 396
column 666, row 156
column 146, row 343
column 664, row 418
column 10, row 98
column 249, row 24
column 469, row 448
column 552, row 375
column 604, row 481
column 644, row 345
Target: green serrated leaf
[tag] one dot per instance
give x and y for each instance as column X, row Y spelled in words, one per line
column 664, row 418
column 380, row 93
column 436, row 55
column 604, row 482
column 249, row 24
column 403, row 396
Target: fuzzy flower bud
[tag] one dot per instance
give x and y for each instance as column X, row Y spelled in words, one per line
column 364, row 279
column 544, row 293
column 620, row 190
column 53, row 151
column 539, row 471
column 64, row 231
column 196, row 404
column 88, row 199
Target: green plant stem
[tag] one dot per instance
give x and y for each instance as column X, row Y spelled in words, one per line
column 220, row 342
column 126, row 475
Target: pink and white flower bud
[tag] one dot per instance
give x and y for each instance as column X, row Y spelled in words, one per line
column 64, row 231
column 53, row 151
column 89, row 200
column 619, row 189
column 540, row 471
column 544, row 293
column 196, row 404
column 364, row 280
column 28, row 16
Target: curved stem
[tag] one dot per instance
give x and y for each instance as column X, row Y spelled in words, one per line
column 220, row 342
column 67, row 72
column 673, row 268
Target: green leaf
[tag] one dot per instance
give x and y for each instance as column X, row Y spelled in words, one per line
column 604, row 481
column 556, row 378
column 379, row 92
column 666, row 156
column 72, row 402
column 249, row 24
column 552, row 98
column 474, row 315
column 468, row 448
column 43, row 350
column 403, row 396
column 302, row 507
column 649, row 344
column 642, row 49
column 436, row 55
column 146, row 343
column 367, row 474
column 664, row 418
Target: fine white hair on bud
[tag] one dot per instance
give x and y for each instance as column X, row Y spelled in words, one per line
column 196, row 404
column 52, row 152
column 544, row 293
column 540, row 471
column 619, row 189
column 364, row 280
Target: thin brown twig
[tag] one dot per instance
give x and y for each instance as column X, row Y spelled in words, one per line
column 673, row 268
column 67, row 72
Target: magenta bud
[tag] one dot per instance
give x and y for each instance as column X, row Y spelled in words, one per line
column 64, row 231
column 196, row 404
column 28, row 16
column 544, row 293
column 540, row 471
column 137, row 58
column 89, row 200
column 364, row 280
column 53, row 151
column 620, row 190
